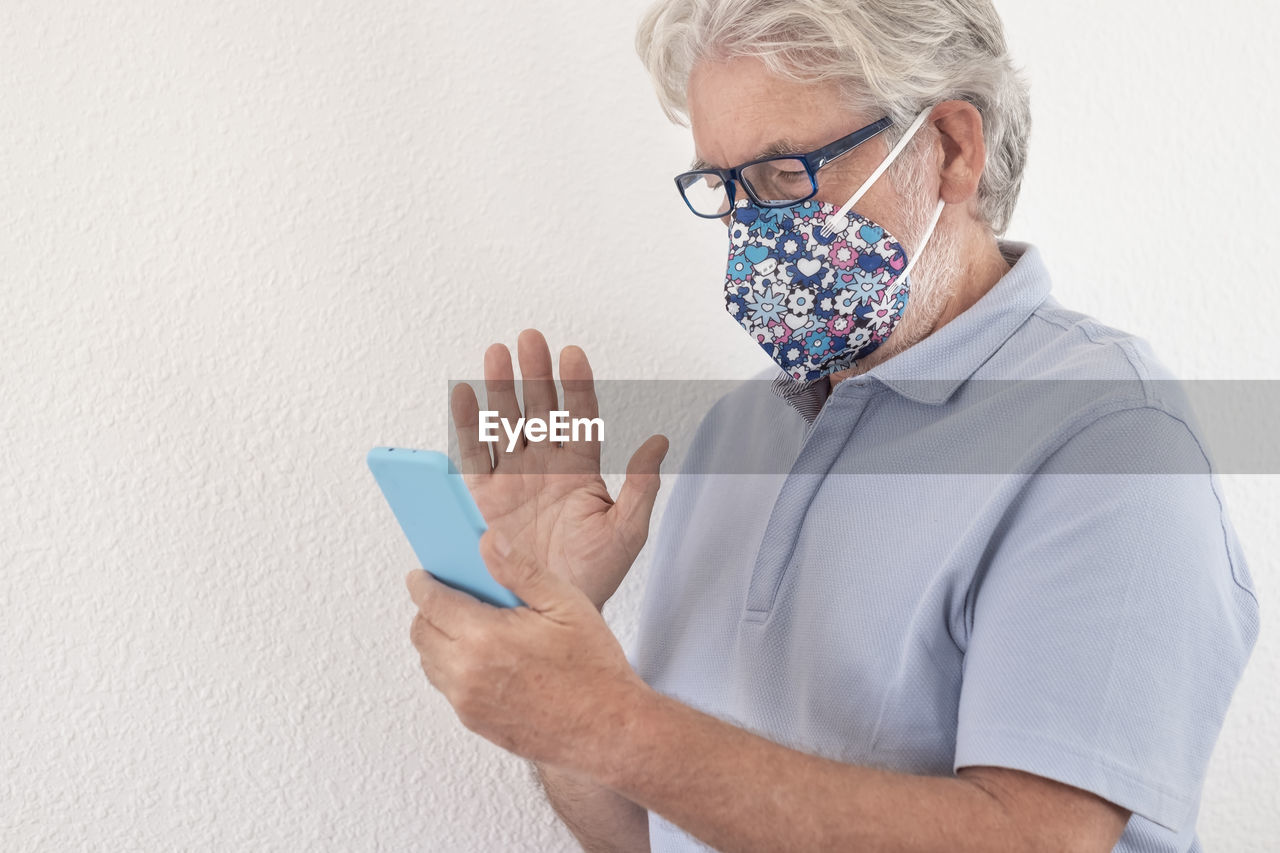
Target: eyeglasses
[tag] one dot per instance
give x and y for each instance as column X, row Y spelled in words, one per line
column 770, row 181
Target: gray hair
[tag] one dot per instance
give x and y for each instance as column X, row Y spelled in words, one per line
column 894, row 56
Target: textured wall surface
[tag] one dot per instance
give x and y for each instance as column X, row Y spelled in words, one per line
column 244, row 242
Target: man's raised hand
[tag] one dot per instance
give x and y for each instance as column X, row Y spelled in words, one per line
column 548, row 499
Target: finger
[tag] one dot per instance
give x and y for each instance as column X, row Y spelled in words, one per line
column 452, row 612
column 429, row 643
column 535, row 375
column 580, row 401
column 473, row 453
column 538, row 588
column 500, row 392
column 634, row 505
column 426, row 638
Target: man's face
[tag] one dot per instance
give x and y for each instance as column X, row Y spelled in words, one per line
column 740, row 111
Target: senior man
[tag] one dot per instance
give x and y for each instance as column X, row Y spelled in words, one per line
column 866, row 646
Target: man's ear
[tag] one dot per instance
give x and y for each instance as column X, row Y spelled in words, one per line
column 964, row 150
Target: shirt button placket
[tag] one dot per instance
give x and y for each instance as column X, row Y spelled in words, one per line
column 828, row 439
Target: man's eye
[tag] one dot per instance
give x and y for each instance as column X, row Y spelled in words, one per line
column 785, row 172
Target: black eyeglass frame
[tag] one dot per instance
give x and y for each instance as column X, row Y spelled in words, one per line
column 813, row 161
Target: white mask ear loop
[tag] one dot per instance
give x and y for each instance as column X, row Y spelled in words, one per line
column 937, row 214
column 875, row 176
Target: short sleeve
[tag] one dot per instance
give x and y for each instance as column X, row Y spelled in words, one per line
column 1111, row 621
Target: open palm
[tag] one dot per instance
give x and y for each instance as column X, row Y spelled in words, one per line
column 547, row 500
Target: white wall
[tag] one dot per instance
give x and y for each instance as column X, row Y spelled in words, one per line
column 244, row 242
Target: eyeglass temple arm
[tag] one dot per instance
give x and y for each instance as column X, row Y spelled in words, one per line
column 844, row 145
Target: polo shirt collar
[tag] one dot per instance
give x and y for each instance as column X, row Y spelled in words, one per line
column 930, row 371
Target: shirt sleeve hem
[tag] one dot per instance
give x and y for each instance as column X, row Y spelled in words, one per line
column 1098, row 774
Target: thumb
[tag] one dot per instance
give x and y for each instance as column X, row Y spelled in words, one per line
column 640, row 489
column 516, row 569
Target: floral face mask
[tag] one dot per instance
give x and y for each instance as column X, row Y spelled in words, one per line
column 818, row 288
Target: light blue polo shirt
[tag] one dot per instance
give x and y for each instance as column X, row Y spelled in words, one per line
column 1002, row 546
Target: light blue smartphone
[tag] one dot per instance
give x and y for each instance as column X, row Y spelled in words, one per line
column 439, row 517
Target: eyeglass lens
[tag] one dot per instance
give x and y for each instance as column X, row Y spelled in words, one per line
column 776, row 182
column 706, row 194
column 781, row 181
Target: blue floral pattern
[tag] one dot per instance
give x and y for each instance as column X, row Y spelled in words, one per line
column 815, row 302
